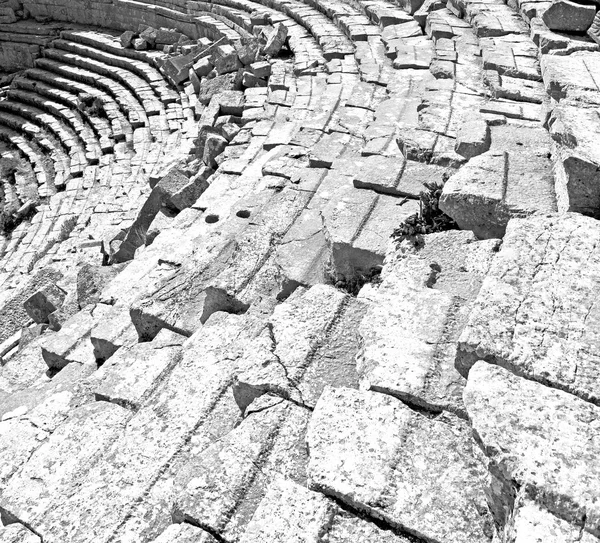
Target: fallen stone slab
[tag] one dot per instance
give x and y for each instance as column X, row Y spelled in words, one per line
column 415, row 316
column 362, row 450
column 576, row 158
column 540, row 325
column 225, row 60
column 567, row 16
column 513, row 179
column 542, row 440
column 177, row 68
column 55, row 467
column 290, row 513
column 275, row 40
column 221, row 489
column 132, row 373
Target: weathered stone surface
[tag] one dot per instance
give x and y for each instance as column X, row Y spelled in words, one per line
column 57, row 466
column 275, row 40
column 415, row 317
column 362, row 450
column 290, row 513
column 594, row 30
column 112, row 332
column 535, row 314
column 542, row 440
column 577, row 158
column 72, row 344
column 502, row 183
column 567, row 16
column 473, row 138
column 225, row 59
column 184, row 533
column 133, row 372
column 17, row 533
column 310, row 342
column 221, row 488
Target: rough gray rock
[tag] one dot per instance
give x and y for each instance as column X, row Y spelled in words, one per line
column 567, row 16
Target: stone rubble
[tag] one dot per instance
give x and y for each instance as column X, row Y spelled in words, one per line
column 225, row 317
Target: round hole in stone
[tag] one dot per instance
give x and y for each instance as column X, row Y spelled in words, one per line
column 211, row 219
column 243, row 214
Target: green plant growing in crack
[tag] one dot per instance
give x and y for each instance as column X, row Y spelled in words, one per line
column 429, row 219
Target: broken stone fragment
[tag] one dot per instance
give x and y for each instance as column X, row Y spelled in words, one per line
column 225, row 59
column 542, row 440
column 375, row 454
column 149, row 35
column 261, row 69
column 126, row 39
column 7, row 15
column 567, row 16
column 473, row 138
column 203, row 67
column 541, row 325
column 216, row 85
column 275, row 40
column 91, row 280
column 250, row 81
column 43, row 302
column 214, row 145
column 165, row 36
column 177, row 68
column 139, row 44
column 248, row 51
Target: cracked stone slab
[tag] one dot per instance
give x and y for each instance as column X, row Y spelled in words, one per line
column 513, row 179
column 290, row 513
column 577, row 158
column 543, row 440
column 536, row 313
column 132, row 372
column 416, row 315
column 377, row 455
column 221, row 488
column 310, row 342
column 56, row 467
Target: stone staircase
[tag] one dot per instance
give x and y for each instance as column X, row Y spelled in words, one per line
column 210, row 335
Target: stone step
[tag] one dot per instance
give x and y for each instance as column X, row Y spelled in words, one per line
column 126, row 101
column 28, row 93
column 117, row 123
column 139, row 88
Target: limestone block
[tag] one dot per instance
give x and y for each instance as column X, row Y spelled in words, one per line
column 577, row 158
column 126, row 39
column 541, row 325
column 17, row 533
column 225, row 59
column 377, row 455
column 473, row 138
column 250, row 81
column 149, row 35
column 132, row 373
column 72, row 343
column 248, row 51
column 216, row 85
column 275, row 40
column 43, row 302
column 416, row 315
column 567, row 16
column 379, row 173
column 139, row 44
column 7, row 15
column 543, row 440
column 261, row 69
column 56, row 466
column 177, row 67
column 203, row 67
column 309, row 343
column 164, row 36
column 513, row 178
column 112, row 332
column 91, row 280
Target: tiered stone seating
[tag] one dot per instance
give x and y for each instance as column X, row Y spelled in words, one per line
column 242, row 351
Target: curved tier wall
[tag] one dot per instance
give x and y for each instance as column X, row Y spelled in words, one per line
column 298, row 271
